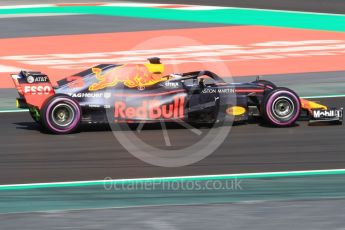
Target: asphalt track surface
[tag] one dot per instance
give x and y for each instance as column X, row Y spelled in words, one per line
column 29, row 156
column 85, row 24
column 307, row 214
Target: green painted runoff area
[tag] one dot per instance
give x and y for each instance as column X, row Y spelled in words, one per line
column 315, row 21
column 173, row 192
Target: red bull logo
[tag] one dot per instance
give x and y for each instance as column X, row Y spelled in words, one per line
column 151, row 110
column 131, row 76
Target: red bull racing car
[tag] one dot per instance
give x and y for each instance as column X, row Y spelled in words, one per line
column 134, row 93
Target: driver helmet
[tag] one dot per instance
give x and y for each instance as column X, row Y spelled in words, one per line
column 155, row 66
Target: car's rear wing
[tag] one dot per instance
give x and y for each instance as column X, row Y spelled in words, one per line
column 33, row 88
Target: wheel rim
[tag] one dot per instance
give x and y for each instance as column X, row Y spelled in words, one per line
column 63, row 115
column 283, row 108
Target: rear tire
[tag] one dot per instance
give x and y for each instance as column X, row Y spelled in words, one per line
column 281, row 107
column 61, row 114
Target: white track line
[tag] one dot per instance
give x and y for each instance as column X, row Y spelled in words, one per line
column 162, row 179
column 7, row 68
column 27, row 6
column 14, row 111
column 34, row 15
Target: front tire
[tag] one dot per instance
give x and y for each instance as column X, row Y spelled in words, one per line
column 281, row 107
column 61, row 114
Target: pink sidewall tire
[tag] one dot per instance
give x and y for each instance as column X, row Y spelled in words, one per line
column 61, row 114
column 281, row 107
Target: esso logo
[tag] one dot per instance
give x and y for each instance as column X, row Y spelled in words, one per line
column 38, row 89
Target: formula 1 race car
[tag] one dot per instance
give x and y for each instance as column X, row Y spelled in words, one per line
column 134, row 93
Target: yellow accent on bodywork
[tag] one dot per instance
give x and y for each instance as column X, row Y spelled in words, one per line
column 137, row 78
column 236, row 110
column 309, row 105
column 155, row 68
column 17, row 103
